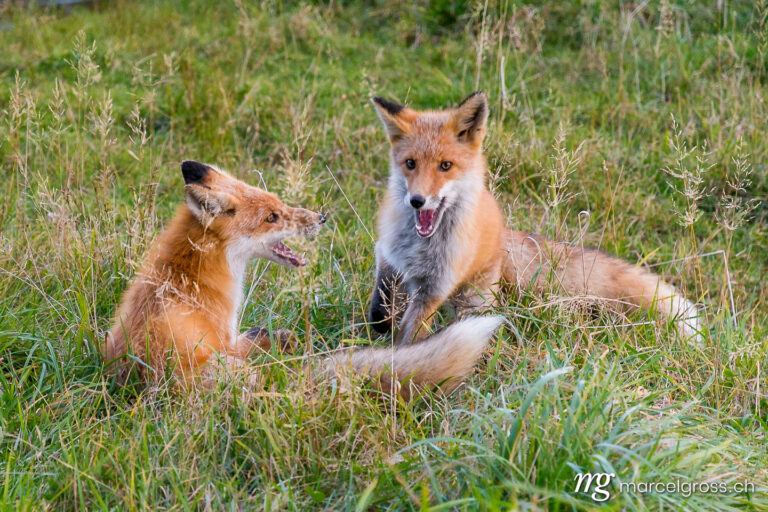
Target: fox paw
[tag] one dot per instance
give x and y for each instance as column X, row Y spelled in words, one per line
column 380, row 319
column 285, row 338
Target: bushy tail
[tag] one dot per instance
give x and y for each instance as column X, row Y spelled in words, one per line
column 543, row 264
column 443, row 360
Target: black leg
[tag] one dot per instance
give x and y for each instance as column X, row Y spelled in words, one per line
column 382, row 313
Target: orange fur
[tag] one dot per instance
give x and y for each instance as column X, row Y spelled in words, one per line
column 182, row 304
column 181, row 308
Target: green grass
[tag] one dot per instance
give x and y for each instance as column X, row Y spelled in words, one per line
column 591, row 102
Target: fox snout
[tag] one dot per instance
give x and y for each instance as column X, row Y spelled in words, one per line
column 428, row 212
column 308, row 222
column 418, row 201
column 321, row 219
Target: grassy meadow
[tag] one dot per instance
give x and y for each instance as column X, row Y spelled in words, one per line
column 635, row 127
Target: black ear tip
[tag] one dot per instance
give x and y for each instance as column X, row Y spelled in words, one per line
column 193, row 172
column 477, row 94
column 392, row 108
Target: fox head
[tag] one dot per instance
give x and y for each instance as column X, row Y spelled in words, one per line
column 436, row 156
column 249, row 221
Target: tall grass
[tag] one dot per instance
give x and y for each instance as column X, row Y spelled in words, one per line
column 100, row 104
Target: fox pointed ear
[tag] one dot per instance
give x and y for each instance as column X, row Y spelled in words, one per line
column 471, row 118
column 393, row 117
column 194, row 172
column 206, row 204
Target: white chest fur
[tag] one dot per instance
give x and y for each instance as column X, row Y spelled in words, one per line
column 239, row 253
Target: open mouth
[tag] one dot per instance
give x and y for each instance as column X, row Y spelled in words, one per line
column 427, row 220
column 287, row 255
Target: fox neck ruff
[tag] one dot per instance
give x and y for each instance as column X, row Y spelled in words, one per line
column 426, row 262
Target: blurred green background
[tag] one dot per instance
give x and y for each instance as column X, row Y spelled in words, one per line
column 649, row 116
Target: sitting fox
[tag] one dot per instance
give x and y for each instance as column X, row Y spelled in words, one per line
column 182, row 307
column 443, row 236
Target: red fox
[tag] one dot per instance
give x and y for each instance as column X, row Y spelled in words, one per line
column 182, row 307
column 443, row 236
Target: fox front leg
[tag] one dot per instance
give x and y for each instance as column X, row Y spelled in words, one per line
column 419, row 312
column 388, row 298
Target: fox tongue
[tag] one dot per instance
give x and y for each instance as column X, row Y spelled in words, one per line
column 287, row 253
column 426, row 217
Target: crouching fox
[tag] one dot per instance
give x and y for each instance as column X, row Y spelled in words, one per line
column 443, row 236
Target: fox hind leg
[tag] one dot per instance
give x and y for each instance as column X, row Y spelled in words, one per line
column 472, row 301
column 480, row 295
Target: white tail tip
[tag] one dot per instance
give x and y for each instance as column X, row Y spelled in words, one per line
column 478, row 327
column 689, row 320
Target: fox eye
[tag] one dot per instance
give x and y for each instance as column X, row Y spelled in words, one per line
column 410, row 163
column 272, row 218
column 444, row 166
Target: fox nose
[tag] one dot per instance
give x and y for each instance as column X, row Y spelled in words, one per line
column 322, row 218
column 417, row 201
